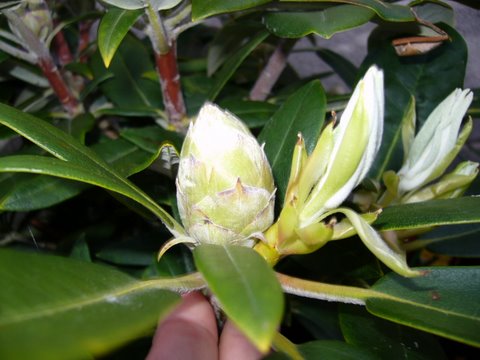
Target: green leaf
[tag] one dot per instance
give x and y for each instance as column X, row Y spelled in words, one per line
column 389, row 12
column 325, row 23
column 462, row 210
column 434, row 11
column 387, row 339
column 233, row 62
column 227, row 40
column 342, row 66
column 443, row 302
column 63, row 308
column 304, row 112
column 25, row 192
column 112, row 29
column 328, row 350
column 417, row 76
column 75, row 161
column 202, row 9
column 453, row 240
column 254, row 114
column 245, row 287
column 128, row 88
column 333, row 350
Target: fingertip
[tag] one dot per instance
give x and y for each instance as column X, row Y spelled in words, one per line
column 235, row 346
column 189, row 332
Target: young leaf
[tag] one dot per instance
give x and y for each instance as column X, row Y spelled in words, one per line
column 112, row 29
column 245, row 287
column 64, row 308
column 392, row 256
column 304, row 112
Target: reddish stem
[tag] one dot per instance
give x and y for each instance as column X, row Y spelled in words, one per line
column 63, row 51
column 84, row 39
column 55, row 79
column 171, row 89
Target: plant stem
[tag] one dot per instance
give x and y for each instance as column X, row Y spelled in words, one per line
column 84, row 39
column 51, row 72
column 272, row 71
column 63, row 51
column 166, row 64
column 329, row 292
column 44, row 60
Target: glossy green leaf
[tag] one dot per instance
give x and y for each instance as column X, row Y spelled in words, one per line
column 202, row 9
column 443, row 302
column 387, row 339
column 434, row 11
column 325, row 23
column 342, row 66
column 233, row 63
column 151, row 138
column 246, row 288
column 227, row 40
column 112, row 29
column 25, row 192
column 128, row 88
column 75, row 161
column 303, row 112
column 454, row 240
column 63, row 308
column 328, row 350
column 462, row 210
column 389, row 12
column 254, row 114
column 417, row 76
column 333, row 350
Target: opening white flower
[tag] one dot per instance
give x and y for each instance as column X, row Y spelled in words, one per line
column 437, row 142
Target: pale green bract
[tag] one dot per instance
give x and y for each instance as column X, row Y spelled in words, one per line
column 225, row 188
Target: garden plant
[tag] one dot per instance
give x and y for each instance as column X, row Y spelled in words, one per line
column 151, row 148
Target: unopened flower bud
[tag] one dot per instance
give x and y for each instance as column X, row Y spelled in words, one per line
column 437, row 143
column 225, row 189
column 351, row 150
column 450, row 186
column 36, row 17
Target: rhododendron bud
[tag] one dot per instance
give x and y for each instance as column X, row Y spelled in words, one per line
column 437, row 143
column 225, row 189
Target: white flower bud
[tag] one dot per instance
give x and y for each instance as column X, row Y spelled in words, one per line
column 356, row 141
column 225, row 189
column 437, row 142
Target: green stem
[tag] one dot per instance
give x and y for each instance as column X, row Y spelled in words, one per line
column 329, row 292
column 181, row 284
column 282, row 344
